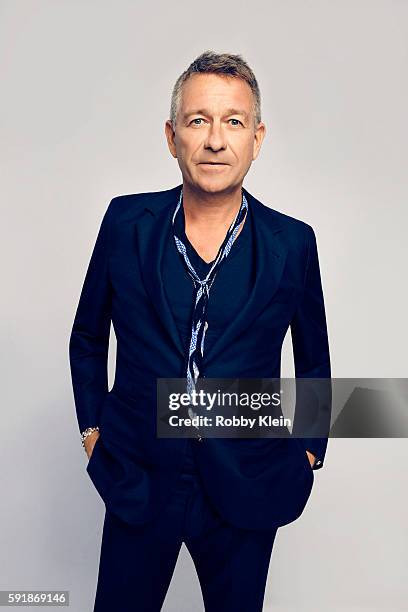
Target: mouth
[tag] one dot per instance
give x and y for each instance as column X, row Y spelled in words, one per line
column 212, row 167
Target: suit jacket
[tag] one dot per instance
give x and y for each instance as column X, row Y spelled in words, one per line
column 253, row 483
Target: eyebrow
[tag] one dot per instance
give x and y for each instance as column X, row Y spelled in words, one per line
column 205, row 111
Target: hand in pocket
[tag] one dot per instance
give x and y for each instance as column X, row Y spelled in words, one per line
column 90, row 442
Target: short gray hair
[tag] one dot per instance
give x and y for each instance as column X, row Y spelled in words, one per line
column 227, row 64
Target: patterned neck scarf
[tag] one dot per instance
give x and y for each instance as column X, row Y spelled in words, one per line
column 202, row 293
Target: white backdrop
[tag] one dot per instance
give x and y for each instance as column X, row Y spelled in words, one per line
column 85, row 94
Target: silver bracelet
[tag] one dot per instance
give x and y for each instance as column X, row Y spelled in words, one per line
column 86, row 433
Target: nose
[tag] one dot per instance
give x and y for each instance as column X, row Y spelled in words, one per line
column 215, row 139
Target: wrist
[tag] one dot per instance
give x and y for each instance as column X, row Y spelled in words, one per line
column 89, row 431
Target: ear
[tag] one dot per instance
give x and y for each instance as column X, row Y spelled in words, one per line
column 258, row 138
column 170, row 135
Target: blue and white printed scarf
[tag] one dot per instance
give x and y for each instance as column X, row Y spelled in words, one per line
column 202, row 292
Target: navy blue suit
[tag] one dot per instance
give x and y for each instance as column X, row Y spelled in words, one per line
column 256, row 484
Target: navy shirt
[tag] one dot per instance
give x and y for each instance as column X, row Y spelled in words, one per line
column 229, row 291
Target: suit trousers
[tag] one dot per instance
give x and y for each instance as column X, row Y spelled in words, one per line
column 136, row 563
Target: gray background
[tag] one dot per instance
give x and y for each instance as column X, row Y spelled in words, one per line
column 85, row 94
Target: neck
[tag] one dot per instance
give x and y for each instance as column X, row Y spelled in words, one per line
column 210, row 210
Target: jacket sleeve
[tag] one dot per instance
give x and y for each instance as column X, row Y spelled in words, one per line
column 89, row 340
column 312, row 359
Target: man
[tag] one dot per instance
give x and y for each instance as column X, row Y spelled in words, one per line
column 201, row 280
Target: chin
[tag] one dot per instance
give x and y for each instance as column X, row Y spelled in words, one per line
column 214, row 184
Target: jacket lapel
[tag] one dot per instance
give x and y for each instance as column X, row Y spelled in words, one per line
column 270, row 257
column 154, row 228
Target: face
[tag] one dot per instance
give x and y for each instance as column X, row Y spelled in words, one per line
column 215, row 139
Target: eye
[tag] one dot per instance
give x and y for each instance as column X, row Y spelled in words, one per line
column 196, row 119
column 236, row 120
